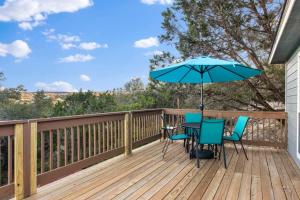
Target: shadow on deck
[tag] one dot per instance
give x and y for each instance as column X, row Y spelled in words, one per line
column 267, row 174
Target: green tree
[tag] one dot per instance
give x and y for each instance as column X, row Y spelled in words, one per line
column 134, row 85
column 84, row 103
column 242, row 30
column 42, row 105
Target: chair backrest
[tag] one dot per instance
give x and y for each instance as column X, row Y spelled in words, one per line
column 240, row 125
column 212, row 131
column 192, row 117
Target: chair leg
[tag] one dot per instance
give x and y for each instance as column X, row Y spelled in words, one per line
column 187, row 144
column 184, row 141
column 220, row 153
column 166, row 148
column 235, row 146
column 243, row 149
column 166, row 141
column 215, row 148
column 224, row 155
column 197, row 155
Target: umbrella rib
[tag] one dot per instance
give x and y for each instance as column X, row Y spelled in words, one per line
column 211, row 68
column 233, row 72
column 168, row 72
column 190, row 69
column 210, row 76
column 193, row 68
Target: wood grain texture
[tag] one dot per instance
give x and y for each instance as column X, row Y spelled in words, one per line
column 269, row 173
column 19, row 176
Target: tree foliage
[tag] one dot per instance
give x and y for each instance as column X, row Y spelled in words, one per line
column 242, row 30
column 84, row 103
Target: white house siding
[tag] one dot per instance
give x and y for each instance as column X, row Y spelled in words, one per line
column 291, row 101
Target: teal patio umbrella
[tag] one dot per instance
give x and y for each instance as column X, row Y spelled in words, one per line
column 204, row 70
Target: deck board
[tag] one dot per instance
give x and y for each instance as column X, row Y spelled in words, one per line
column 268, row 174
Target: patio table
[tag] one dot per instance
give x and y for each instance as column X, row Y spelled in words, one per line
column 203, row 153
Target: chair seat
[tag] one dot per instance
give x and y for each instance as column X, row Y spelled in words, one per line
column 179, row 137
column 231, row 137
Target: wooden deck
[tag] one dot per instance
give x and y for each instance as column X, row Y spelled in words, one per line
column 268, row 174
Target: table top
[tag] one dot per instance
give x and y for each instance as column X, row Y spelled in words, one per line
column 191, row 124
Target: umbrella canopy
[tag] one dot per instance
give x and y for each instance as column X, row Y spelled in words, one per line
column 204, row 70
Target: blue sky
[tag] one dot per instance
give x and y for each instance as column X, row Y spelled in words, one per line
column 96, row 45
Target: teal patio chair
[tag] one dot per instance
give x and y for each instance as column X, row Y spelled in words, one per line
column 211, row 133
column 238, row 131
column 172, row 136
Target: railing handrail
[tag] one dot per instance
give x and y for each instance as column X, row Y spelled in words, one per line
column 272, row 114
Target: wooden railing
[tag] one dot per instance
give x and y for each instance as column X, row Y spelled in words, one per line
column 263, row 128
column 36, row 152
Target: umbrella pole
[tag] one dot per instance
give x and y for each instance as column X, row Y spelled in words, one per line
column 201, row 104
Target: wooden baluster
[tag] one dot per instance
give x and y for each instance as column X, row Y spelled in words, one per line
column 66, row 146
column 72, row 144
column 99, row 138
column 153, row 125
column 51, row 150
column 42, row 152
column 89, row 139
column 252, row 128
column 119, row 133
column 271, row 133
column 138, row 128
column 249, row 128
column 10, row 160
column 258, row 130
column 263, row 131
column 281, row 131
column 150, row 125
column 122, row 132
column 111, row 135
column 78, row 143
column 104, row 137
column 115, row 134
column 107, row 137
column 95, row 139
column 112, row 141
column 144, row 126
column 84, row 141
column 58, row 147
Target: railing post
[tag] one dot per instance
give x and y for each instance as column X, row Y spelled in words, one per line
column 19, row 155
column 128, row 135
column 33, row 157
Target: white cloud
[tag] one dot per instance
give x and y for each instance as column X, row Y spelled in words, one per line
column 57, row 86
column 152, row 53
column 84, row 77
column 65, row 41
column 19, row 49
column 71, row 41
column 91, row 45
column 146, row 43
column 31, row 13
column 62, row 38
column 67, row 46
column 76, row 58
column 162, row 2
